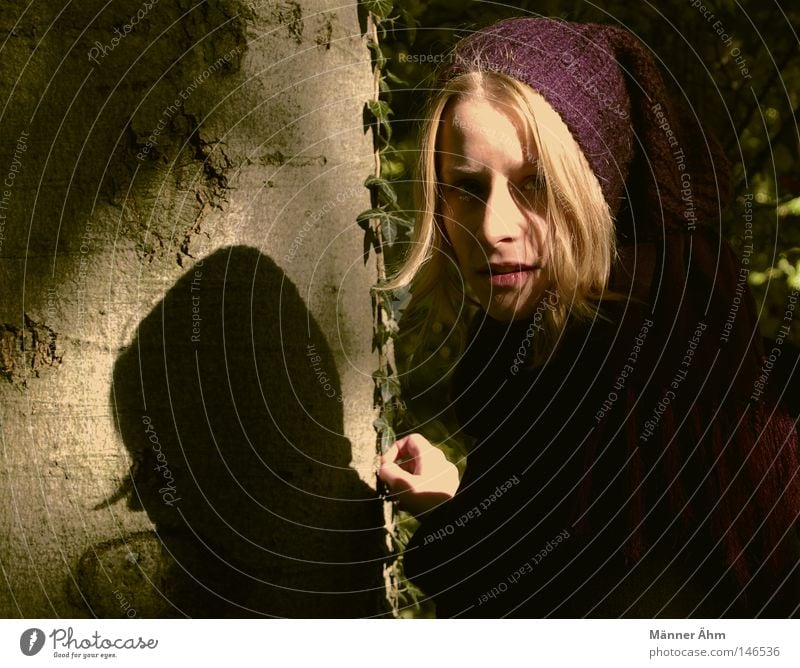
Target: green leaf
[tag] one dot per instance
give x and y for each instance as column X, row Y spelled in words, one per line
column 392, row 328
column 388, row 231
column 388, row 437
column 388, row 386
column 395, row 383
column 383, row 187
column 385, row 218
column 379, row 109
column 381, row 8
column 790, row 208
column 370, row 241
column 365, row 217
column 387, row 132
column 387, row 301
column 391, row 168
column 411, row 25
column 395, row 79
column 378, row 59
column 395, row 218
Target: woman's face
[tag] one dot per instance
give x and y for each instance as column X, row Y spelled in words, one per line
column 493, row 206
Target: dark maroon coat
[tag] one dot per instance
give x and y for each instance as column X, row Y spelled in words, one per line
column 645, row 469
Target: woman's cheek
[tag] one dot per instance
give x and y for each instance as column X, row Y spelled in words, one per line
column 459, row 230
column 461, row 246
column 455, row 234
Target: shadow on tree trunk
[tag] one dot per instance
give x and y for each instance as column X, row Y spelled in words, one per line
column 229, row 403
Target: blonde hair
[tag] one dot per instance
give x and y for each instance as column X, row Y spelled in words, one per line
column 581, row 230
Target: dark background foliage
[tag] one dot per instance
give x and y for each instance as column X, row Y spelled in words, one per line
column 750, row 106
column 737, row 66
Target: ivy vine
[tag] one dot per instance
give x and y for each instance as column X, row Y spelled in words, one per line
column 384, row 221
column 384, row 224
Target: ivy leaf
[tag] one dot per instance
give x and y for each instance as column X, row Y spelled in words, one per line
column 388, row 437
column 388, row 220
column 376, row 345
column 388, row 231
column 383, row 187
column 391, row 328
column 411, row 24
column 395, row 79
column 395, row 218
column 396, row 302
column 381, row 8
column 388, row 385
column 378, row 59
column 379, row 109
column 370, row 241
column 393, row 306
column 387, row 132
column 391, row 167
column 365, row 217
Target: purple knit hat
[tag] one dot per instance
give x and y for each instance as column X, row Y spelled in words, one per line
column 607, row 89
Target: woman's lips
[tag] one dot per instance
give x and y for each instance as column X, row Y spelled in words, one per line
column 508, row 275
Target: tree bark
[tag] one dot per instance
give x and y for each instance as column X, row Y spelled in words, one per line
column 185, row 323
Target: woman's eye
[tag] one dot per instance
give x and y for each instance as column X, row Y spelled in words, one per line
column 466, row 190
column 535, row 183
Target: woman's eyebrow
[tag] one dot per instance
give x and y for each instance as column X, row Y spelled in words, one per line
column 463, row 168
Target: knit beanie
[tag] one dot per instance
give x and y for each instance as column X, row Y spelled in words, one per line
column 607, row 89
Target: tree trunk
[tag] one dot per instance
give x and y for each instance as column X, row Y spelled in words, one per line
column 185, row 318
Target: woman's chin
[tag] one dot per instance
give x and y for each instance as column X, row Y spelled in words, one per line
column 511, row 307
column 504, row 309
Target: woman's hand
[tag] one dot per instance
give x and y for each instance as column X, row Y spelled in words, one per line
column 418, row 474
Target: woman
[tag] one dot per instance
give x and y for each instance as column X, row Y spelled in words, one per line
column 623, row 464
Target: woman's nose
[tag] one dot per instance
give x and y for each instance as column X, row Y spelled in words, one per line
column 503, row 219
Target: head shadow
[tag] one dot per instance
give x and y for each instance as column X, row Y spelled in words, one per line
column 229, row 403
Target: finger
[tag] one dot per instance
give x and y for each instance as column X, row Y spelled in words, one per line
column 391, row 454
column 397, row 479
column 410, row 464
column 416, row 447
column 402, row 445
column 405, row 454
column 412, row 445
column 394, row 456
